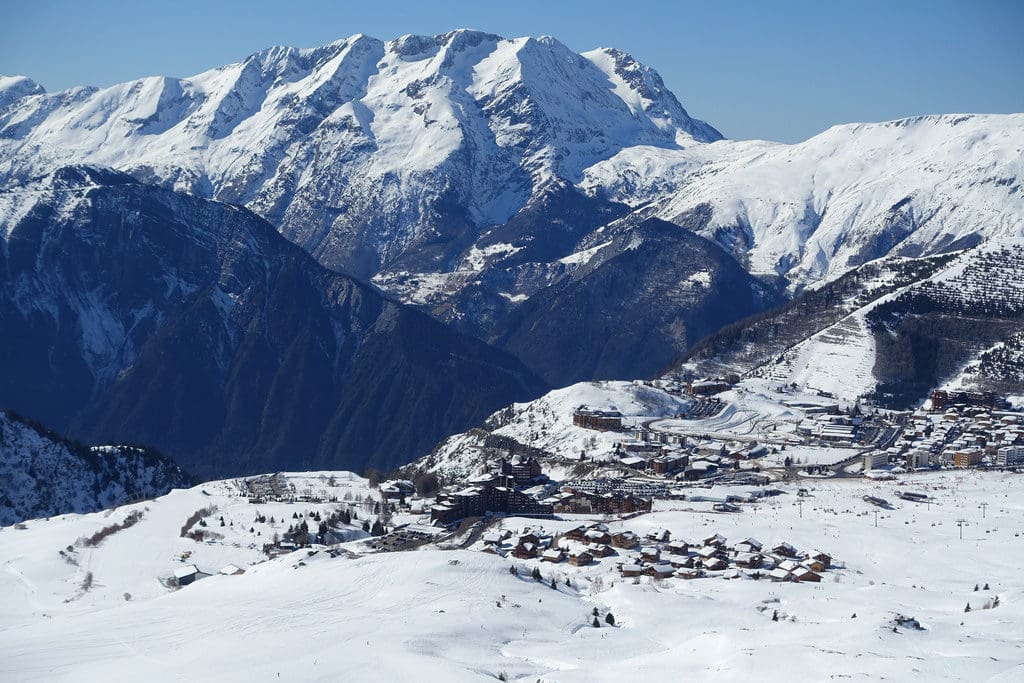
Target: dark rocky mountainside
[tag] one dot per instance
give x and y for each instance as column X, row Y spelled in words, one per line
column 42, row 474
column 142, row 314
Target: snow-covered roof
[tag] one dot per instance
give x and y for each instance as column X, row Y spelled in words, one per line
column 187, row 570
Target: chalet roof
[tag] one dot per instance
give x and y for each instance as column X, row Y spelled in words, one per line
column 230, row 569
column 779, row 573
column 187, row 570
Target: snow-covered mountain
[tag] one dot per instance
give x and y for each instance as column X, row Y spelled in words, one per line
column 813, row 210
column 498, row 183
column 891, row 329
column 134, row 313
column 364, row 152
column 42, row 474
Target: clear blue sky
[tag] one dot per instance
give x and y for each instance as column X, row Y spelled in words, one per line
column 781, row 71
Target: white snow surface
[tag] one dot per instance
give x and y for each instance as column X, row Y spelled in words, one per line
column 814, row 209
column 460, row 615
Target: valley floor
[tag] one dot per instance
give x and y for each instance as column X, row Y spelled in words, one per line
column 457, row 615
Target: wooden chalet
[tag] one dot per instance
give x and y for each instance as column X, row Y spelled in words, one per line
column 580, row 558
column 625, row 539
column 714, row 564
column 805, row 574
column 716, row 540
column 553, row 555
column 650, row 553
column 785, row 549
column 630, row 570
column 660, row 571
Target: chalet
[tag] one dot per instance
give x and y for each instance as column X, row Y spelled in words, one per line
column 688, row 574
column 787, row 565
column 231, row 570
column 580, row 558
column 805, row 574
column 716, row 540
column 785, row 550
column 683, row 561
column 659, row 535
column 750, row 545
column 714, row 564
column 525, row 551
column 709, row 551
column 553, row 555
column 188, row 574
column 779, row 574
column 660, row 571
column 650, row 554
column 824, row 558
column 813, row 564
column 747, row 560
column 629, row 570
column 599, row 550
column 725, row 507
column 678, row 547
column 597, row 536
column 625, row 539
column 496, row 537
column 528, row 537
column 576, row 533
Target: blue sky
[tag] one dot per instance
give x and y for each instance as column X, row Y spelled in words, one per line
column 781, row 71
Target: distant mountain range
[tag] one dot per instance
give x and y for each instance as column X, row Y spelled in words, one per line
column 561, row 207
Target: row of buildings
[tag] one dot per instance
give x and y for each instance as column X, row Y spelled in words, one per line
column 955, row 436
column 658, row 555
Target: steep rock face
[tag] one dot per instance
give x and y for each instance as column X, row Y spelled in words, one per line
column 139, row 313
column 42, row 474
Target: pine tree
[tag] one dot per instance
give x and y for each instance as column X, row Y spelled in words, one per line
column 609, row 619
column 597, row 623
column 536, row 574
column 512, row 570
column 968, row 608
column 594, row 612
